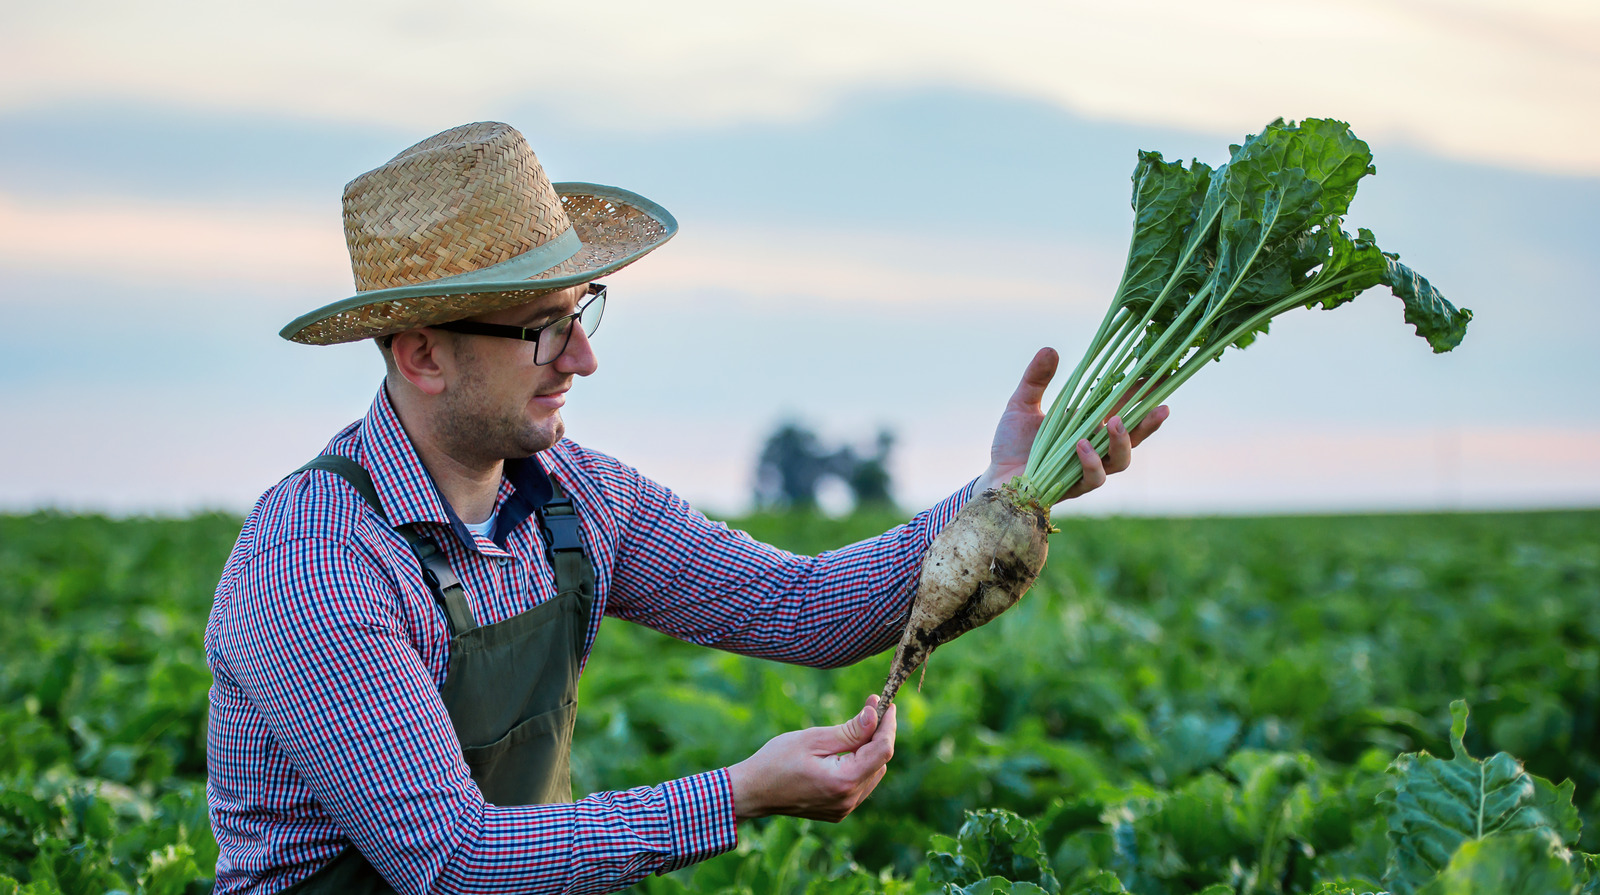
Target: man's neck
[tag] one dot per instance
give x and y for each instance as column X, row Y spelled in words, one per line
column 469, row 485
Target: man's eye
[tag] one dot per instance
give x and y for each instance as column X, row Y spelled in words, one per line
column 546, row 320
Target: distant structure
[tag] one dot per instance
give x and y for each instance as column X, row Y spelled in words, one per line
column 794, row 462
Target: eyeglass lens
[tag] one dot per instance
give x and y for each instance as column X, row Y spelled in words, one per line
column 553, row 339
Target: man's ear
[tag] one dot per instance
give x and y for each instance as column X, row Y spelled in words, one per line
column 424, row 357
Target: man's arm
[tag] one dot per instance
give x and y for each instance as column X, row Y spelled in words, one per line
column 696, row 580
column 311, row 634
column 699, row 581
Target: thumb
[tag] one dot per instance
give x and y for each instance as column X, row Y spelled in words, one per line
column 852, row 734
column 1036, row 378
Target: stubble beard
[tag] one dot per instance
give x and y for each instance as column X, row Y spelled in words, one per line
column 472, row 425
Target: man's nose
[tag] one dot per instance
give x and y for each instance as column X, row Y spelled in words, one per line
column 579, row 358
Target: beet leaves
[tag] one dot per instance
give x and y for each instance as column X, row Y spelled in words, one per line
column 1215, row 255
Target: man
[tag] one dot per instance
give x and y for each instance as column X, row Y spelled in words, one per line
column 397, row 638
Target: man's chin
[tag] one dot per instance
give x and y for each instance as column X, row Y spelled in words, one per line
column 542, row 437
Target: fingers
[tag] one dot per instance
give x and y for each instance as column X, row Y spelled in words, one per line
column 870, row 785
column 1035, row 379
column 1151, row 422
column 1119, row 450
column 852, row 734
column 1094, row 471
column 822, row 773
column 867, row 766
column 877, row 752
column 1139, row 392
column 1119, row 453
column 844, row 778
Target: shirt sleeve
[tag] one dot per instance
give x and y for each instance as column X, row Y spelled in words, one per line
column 314, row 636
column 702, row 582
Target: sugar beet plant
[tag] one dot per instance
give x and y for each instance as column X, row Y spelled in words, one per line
column 1215, row 255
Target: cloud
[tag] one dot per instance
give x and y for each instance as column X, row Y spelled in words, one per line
column 1498, row 82
column 893, row 262
column 206, row 245
column 190, row 244
column 895, row 269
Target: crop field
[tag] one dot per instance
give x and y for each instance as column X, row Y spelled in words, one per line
column 1213, row 705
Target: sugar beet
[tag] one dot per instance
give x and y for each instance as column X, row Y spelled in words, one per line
column 978, row 567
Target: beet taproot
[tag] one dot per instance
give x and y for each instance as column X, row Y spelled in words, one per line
column 978, row 567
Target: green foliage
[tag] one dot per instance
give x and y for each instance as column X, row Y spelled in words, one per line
column 1524, row 863
column 1179, row 706
column 1103, row 883
column 1339, row 889
column 995, row 885
column 102, row 753
column 1436, row 807
column 784, row 857
column 992, row 843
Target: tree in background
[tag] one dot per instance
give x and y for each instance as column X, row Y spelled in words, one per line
column 868, row 475
column 791, row 465
column 794, row 462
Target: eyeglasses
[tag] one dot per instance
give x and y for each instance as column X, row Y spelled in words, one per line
column 550, row 340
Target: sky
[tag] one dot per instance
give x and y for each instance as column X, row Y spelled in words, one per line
column 885, row 209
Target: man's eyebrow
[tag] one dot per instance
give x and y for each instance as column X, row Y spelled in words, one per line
column 539, row 316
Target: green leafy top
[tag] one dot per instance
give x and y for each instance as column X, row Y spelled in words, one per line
column 1435, row 806
column 1436, row 320
column 1214, row 256
column 1165, row 203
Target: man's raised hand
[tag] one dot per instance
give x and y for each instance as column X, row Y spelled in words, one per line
column 821, row 773
column 1024, row 413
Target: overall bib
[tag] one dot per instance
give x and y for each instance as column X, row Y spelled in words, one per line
column 511, row 687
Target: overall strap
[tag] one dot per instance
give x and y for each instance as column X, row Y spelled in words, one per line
column 436, row 571
column 559, row 519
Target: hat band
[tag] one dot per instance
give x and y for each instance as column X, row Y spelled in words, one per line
column 525, row 266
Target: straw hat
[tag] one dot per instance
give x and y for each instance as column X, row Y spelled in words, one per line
column 466, row 222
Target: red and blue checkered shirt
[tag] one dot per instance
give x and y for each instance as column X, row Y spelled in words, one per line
column 328, row 652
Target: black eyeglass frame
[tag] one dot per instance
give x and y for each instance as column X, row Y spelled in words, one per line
column 596, row 292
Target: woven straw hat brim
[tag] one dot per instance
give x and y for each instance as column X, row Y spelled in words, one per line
column 617, row 227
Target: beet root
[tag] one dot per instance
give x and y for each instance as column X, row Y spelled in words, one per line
column 978, row 567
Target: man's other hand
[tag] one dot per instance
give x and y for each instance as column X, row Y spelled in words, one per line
column 1024, row 413
column 821, row 773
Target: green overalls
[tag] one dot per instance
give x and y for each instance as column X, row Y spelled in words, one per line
column 511, row 688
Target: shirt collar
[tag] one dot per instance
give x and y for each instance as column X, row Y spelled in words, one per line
column 408, row 493
column 524, row 490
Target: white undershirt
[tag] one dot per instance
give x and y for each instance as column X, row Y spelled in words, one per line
column 482, row 529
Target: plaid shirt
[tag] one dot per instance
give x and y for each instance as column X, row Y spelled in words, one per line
column 328, row 652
